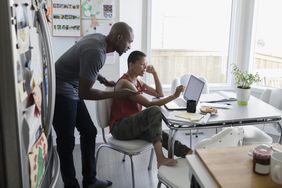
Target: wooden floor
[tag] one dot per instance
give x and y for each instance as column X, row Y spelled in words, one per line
column 111, row 167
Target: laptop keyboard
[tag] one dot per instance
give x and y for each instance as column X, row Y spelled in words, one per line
column 180, row 102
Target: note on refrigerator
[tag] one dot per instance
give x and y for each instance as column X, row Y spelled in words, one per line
column 22, row 91
column 31, row 126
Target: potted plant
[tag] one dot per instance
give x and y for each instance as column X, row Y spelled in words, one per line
column 243, row 81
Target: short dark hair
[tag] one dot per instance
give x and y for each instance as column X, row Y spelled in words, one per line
column 135, row 56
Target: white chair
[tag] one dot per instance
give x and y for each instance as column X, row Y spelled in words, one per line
column 275, row 100
column 178, row 176
column 128, row 147
column 227, row 137
column 254, row 135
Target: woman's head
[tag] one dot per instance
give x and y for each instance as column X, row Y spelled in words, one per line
column 136, row 63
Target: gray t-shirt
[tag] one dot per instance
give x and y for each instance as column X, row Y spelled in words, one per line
column 84, row 59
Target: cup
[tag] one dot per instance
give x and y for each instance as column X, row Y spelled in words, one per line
column 276, row 167
column 191, row 106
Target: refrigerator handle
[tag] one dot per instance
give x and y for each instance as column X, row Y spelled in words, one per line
column 56, row 169
column 51, row 72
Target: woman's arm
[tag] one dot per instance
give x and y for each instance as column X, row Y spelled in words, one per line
column 141, row 99
column 157, row 91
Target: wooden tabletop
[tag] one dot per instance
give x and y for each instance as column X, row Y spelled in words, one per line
column 232, row 167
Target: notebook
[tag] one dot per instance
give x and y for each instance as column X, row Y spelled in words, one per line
column 192, row 91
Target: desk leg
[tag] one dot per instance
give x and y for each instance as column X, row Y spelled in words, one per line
column 280, row 139
column 191, row 138
column 194, row 183
column 171, row 140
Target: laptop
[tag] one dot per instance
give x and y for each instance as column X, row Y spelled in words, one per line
column 192, row 91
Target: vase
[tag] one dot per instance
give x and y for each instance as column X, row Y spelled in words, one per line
column 243, row 96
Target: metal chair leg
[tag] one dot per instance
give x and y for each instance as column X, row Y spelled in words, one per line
column 97, row 154
column 159, row 184
column 151, row 159
column 132, row 171
column 196, row 134
column 123, row 159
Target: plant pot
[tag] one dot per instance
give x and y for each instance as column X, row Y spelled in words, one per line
column 243, row 96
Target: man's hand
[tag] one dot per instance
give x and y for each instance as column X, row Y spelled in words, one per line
column 124, row 93
column 106, row 82
column 109, row 83
column 178, row 91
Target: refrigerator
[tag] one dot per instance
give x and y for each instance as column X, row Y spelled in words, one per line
column 27, row 96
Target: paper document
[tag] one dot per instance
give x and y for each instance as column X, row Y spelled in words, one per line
column 205, row 119
column 189, row 116
column 217, row 105
column 221, row 96
column 227, row 94
column 211, row 97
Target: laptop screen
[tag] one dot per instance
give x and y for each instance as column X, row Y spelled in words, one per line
column 194, row 89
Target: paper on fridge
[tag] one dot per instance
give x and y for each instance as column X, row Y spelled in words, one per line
column 32, row 125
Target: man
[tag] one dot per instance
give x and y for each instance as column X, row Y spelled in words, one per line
column 76, row 72
column 129, row 121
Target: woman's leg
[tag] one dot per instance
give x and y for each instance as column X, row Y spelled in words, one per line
column 180, row 150
column 145, row 125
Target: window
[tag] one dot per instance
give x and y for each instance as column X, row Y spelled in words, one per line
column 268, row 42
column 190, row 36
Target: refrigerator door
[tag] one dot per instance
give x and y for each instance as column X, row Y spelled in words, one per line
column 12, row 167
column 25, row 66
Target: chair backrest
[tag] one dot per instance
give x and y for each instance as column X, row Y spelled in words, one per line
column 275, row 98
column 228, row 137
column 103, row 111
column 183, row 80
column 265, row 96
column 206, row 86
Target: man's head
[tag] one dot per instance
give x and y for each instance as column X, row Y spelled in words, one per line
column 120, row 37
column 136, row 63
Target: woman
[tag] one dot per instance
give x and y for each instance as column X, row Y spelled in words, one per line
column 129, row 121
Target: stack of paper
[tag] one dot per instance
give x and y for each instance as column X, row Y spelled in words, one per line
column 189, row 116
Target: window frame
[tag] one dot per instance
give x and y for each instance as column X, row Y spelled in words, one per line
column 240, row 49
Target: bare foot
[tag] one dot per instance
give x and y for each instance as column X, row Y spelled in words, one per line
column 167, row 162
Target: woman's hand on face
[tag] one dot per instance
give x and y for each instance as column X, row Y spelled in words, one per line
column 178, row 91
column 150, row 69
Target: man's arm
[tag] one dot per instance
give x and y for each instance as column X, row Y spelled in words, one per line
column 87, row 92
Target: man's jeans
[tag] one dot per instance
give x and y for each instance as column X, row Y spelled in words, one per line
column 68, row 115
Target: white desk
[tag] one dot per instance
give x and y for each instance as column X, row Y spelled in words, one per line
column 256, row 112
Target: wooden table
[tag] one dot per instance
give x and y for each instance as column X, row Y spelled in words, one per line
column 227, row 167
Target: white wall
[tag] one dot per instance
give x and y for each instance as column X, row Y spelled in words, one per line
column 129, row 11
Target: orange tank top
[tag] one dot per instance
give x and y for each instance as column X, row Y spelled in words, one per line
column 124, row 107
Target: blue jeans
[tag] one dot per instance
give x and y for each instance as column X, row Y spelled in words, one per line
column 68, row 115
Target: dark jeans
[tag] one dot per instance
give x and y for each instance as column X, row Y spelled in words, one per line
column 68, row 115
